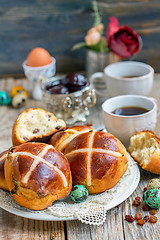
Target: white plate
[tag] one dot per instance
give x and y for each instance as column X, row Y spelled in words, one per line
column 120, row 192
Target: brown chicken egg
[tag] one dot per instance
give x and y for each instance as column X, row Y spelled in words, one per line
column 38, row 57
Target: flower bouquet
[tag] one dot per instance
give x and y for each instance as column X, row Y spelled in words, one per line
column 105, row 47
column 120, row 40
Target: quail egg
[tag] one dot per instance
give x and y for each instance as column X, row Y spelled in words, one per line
column 79, row 193
column 19, row 100
column 154, row 184
column 18, row 89
column 151, row 198
column 4, row 98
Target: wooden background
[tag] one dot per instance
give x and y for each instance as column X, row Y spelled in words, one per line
column 57, row 25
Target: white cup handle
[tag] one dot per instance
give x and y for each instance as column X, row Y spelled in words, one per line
column 97, row 82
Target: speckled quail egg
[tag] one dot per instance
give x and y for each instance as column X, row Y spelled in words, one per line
column 19, row 100
column 4, row 98
column 18, row 89
column 151, row 198
column 154, row 184
column 79, row 193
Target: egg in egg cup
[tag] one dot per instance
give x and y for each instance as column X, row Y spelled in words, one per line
column 39, row 63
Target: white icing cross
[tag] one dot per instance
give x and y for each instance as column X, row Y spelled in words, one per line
column 37, row 160
column 90, row 150
column 67, row 140
column 89, row 159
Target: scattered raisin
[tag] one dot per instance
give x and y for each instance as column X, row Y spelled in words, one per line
column 146, row 218
column 136, row 202
column 137, row 198
column 138, row 216
column 145, row 208
column 49, row 116
column 36, row 130
column 141, row 222
column 145, row 189
column 153, row 219
column 129, row 218
column 154, row 211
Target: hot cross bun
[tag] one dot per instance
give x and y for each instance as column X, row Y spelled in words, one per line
column 61, row 139
column 145, row 149
column 97, row 159
column 36, row 125
column 3, row 183
column 37, row 174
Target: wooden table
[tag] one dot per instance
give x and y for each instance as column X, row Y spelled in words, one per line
column 115, row 227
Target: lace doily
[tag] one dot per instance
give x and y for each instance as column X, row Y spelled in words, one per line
column 92, row 211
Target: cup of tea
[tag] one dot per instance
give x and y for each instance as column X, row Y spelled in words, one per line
column 126, row 115
column 126, row 77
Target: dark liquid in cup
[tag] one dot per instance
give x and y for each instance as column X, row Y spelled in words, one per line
column 130, row 76
column 130, row 111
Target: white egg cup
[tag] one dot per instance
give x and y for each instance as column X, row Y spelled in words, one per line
column 33, row 74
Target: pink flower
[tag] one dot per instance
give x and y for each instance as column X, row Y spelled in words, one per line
column 100, row 27
column 122, row 41
column 94, row 35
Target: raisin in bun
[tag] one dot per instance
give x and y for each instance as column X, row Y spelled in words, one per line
column 61, row 139
column 97, row 160
column 3, row 183
column 37, row 174
column 145, row 149
column 36, row 125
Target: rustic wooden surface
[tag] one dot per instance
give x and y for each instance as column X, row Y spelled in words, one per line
column 115, row 227
column 58, row 25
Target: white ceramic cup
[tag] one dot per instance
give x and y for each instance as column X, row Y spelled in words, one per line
column 115, row 81
column 123, row 127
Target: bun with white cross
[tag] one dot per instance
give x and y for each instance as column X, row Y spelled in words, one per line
column 36, row 125
column 61, row 139
column 97, row 159
column 37, row 174
column 3, row 184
